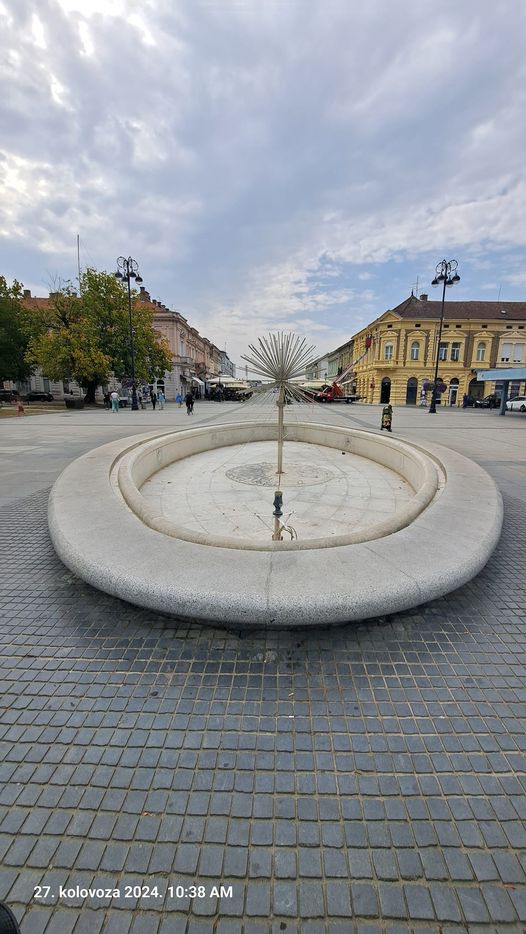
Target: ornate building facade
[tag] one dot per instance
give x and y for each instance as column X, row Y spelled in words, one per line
column 402, row 350
column 195, row 358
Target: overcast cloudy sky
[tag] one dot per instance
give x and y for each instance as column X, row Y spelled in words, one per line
column 290, row 164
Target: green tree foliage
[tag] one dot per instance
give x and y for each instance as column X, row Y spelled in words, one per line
column 13, row 341
column 87, row 337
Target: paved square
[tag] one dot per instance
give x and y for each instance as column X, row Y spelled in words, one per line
column 362, row 779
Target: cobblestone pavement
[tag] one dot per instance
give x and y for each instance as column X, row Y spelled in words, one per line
column 365, row 779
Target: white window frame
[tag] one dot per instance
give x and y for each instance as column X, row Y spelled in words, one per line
column 505, row 352
column 442, row 351
column 388, row 351
column 455, row 351
column 518, row 353
column 415, row 350
column 481, row 351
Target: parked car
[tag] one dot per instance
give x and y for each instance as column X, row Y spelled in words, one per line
column 9, row 395
column 488, row 402
column 39, row 397
column 517, row 404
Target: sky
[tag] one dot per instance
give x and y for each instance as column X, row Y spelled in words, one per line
column 294, row 165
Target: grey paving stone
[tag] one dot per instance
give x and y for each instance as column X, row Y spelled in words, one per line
column 285, row 899
column 258, row 900
column 311, row 901
column 473, row 905
column 392, row 904
column 135, row 738
column 498, row 902
column 364, row 900
column 419, row 902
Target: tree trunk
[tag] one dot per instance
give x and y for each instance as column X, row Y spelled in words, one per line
column 91, row 387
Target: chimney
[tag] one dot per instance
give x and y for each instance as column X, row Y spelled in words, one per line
column 144, row 296
column 423, row 297
column 27, row 293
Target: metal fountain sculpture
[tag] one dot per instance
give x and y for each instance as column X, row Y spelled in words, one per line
column 281, row 358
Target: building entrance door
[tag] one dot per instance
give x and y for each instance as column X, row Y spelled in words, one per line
column 476, row 389
column 410, row 393
column 385, row 393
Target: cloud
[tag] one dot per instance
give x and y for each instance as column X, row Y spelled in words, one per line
column 264, row 161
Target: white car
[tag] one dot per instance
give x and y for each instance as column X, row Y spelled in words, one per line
column 517, row 404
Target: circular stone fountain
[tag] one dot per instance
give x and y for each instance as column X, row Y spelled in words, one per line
column 180, row 523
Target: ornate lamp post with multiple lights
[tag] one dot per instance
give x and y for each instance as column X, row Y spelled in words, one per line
column 128, row 269
column 446, row 272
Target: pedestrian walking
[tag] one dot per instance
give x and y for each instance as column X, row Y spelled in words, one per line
column 153, row 397
column 387, row 417
column 161, row 398
column 179, row 399
column 114, row 396
column 19, row 411
column 189, row 399
column 107, row 400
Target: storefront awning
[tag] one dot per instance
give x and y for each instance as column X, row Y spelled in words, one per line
column 510, row 373
column 198, row 381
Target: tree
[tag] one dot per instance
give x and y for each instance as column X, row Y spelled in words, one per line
column 86, row 337
column 13, row 341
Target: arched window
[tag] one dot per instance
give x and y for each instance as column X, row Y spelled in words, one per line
column 388, row 352
column 415, row 350
column 481, row 351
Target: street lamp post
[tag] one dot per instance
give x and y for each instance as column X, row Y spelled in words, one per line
column 128, row 269
column 446, row 272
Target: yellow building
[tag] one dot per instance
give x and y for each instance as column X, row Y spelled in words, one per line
column 402, row 347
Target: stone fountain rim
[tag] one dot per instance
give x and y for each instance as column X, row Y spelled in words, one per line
column 100, row 540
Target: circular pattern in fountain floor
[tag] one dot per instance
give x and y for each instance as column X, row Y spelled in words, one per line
column 229, row 491
column 265, row 474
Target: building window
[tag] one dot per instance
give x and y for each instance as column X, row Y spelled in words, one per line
column 455, row 351
column 505, row 353
column 481, row 351
column 517, row 353
column 442, row 352
column 388, row 352
column 415, row 350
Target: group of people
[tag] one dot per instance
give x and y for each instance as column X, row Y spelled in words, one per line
column 112, row 400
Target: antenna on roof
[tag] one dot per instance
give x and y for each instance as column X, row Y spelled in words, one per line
column 415, row 287
column 78, row 262
column 498, row 296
